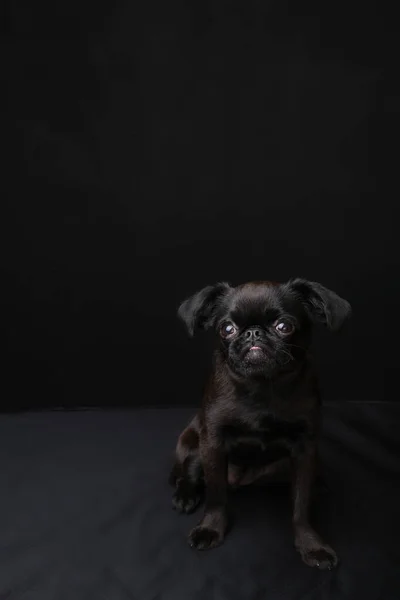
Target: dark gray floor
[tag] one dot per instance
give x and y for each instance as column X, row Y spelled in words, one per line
column 86, row 513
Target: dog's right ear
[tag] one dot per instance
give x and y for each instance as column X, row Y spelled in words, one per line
column 321, row 304
column 199, row 311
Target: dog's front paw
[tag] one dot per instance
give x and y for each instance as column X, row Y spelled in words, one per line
column 186, row 498
column 205, row 538
column 313, row 550
column 322, row 557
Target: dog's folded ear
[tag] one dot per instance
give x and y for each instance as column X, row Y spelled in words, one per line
column 199, row 311
column 321, row 304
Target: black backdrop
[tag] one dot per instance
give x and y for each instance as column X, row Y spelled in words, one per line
column 155, row 147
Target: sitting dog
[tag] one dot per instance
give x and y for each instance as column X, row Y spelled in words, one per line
column 261, row 405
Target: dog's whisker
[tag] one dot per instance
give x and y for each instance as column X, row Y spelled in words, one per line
column 286, row 353
column 296, row 346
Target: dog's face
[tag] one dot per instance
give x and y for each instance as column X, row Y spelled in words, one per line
column 263, row 328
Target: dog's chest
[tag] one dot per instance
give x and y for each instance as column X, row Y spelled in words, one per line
column 263, row 439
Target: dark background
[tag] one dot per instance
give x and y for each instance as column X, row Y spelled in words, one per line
column 155, row 147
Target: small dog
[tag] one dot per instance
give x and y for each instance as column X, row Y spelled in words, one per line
column 261, row 406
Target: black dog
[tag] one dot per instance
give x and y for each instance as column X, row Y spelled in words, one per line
column 261, row 405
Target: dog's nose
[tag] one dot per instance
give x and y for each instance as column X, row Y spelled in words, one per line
column 254, row 333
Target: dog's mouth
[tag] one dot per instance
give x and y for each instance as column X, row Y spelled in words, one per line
column 255, row 353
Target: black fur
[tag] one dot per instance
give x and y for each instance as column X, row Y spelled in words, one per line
column 261, row 406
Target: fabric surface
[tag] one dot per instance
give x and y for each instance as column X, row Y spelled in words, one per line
column 86, row 513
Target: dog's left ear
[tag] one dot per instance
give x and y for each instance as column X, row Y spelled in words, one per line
column 321, row 304
column 198, row 311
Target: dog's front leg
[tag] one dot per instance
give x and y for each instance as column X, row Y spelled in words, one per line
column 313, row 550
column 211, row 530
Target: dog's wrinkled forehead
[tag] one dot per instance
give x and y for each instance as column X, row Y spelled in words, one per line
column 255, row 303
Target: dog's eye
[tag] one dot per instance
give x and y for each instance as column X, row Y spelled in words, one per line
column 284, row 327
column 227, row 329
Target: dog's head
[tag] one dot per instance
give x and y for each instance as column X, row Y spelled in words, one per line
column 263, row 327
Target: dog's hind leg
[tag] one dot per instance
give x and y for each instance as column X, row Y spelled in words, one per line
column 187, row 473
column 278, row 471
